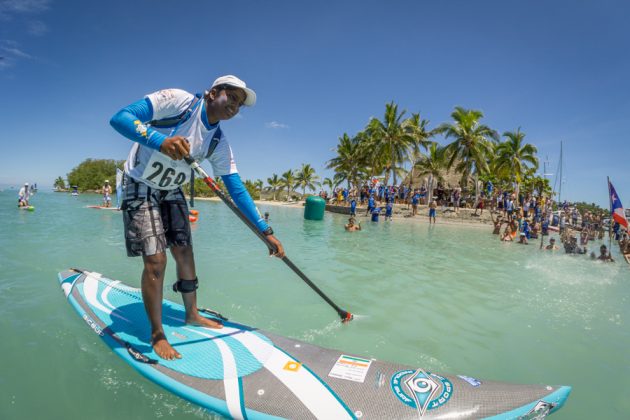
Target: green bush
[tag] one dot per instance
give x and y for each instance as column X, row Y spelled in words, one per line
column 92, row 173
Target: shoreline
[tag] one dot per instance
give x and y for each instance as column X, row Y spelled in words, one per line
column 450, row 218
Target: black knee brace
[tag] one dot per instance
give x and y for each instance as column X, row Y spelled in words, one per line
column 185, row 286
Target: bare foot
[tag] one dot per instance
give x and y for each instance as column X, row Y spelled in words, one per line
column 163, row 348
column 202, row 321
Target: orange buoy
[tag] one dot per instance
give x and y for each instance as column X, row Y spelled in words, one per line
column 193, row 219
column 194, row 212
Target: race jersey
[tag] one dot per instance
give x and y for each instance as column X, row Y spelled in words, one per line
column 157, row 170
column 23, row 194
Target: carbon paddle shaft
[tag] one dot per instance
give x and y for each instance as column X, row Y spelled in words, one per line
column 345, row 315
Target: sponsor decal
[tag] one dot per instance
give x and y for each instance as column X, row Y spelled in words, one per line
column 421, row 390
column 472, row 381
column 178, row 335
column 166, row 94
column 292, row 366
column 93, row 325
column 141, row 129
column 540, row 411
column 139, row 357
column 350, row 368
column 380, row 379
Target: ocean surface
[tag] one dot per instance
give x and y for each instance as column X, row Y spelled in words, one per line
column 450, row 299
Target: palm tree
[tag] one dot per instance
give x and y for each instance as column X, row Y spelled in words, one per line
column 250, row 186
column 433, row 164
column 532, row 184
column 471, row 146
column 514, row 157
column 306, row 178
column 59, row 184
column 421, row 139
column 390, row 138
column 327, row 182
column 275, row 183
column 349, row 162
column 288, row 181
column 259, row 187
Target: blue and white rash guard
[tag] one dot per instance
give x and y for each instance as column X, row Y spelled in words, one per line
column 147, row 164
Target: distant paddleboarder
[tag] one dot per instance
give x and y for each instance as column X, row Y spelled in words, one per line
column 167, row 126
column 23, row 196
column 107, row 190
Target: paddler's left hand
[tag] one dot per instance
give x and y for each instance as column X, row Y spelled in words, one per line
column 279, row 248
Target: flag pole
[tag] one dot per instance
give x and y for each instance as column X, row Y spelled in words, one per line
column 192, row 188
column 610, row 224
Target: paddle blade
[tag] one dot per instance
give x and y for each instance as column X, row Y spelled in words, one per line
column 346, row 317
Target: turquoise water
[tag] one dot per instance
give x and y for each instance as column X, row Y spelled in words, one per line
column 451, row 299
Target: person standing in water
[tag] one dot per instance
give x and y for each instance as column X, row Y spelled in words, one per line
column 371, row 205
column 604, row 255
column 351, row 226
column 353, row 207
column 167, row 126
column 414, row 203
column 432, row 210
column 389, row 209
column 552, row 245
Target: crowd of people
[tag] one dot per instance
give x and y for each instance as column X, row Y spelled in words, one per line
column 519, row 218
column 532, row 218
column 381, row 199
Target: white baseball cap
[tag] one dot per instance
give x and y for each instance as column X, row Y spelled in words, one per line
column 26, row 184
column 234, row 81
column 107, row 180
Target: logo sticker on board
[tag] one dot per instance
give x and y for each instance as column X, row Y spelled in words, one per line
column 539, row 411
column 472, row 381
column 350, row 368
column 421, row 390
column 292, row 366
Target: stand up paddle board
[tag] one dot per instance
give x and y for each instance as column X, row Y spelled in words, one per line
column 29, row 208
column 102, row 207
column 242, row 372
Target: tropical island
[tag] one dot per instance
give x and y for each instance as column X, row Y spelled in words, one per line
column 395, row 151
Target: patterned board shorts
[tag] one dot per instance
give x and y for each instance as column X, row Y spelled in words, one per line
column 153, row 219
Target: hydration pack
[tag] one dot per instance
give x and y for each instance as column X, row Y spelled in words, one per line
column 181, row 118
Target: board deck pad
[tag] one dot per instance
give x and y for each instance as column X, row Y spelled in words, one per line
column 243, row 372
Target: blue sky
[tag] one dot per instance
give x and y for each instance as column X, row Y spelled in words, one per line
column 559, row 70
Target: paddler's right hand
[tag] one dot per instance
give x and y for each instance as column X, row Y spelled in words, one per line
column 175, row 147
column 279, row 251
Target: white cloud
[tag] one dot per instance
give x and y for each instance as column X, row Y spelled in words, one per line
column 18, row 13
column 11, row 7
column 5, row 62
column 10, row 53
column 275, row 124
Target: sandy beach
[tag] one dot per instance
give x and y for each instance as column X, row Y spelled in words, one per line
column 445, row 216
